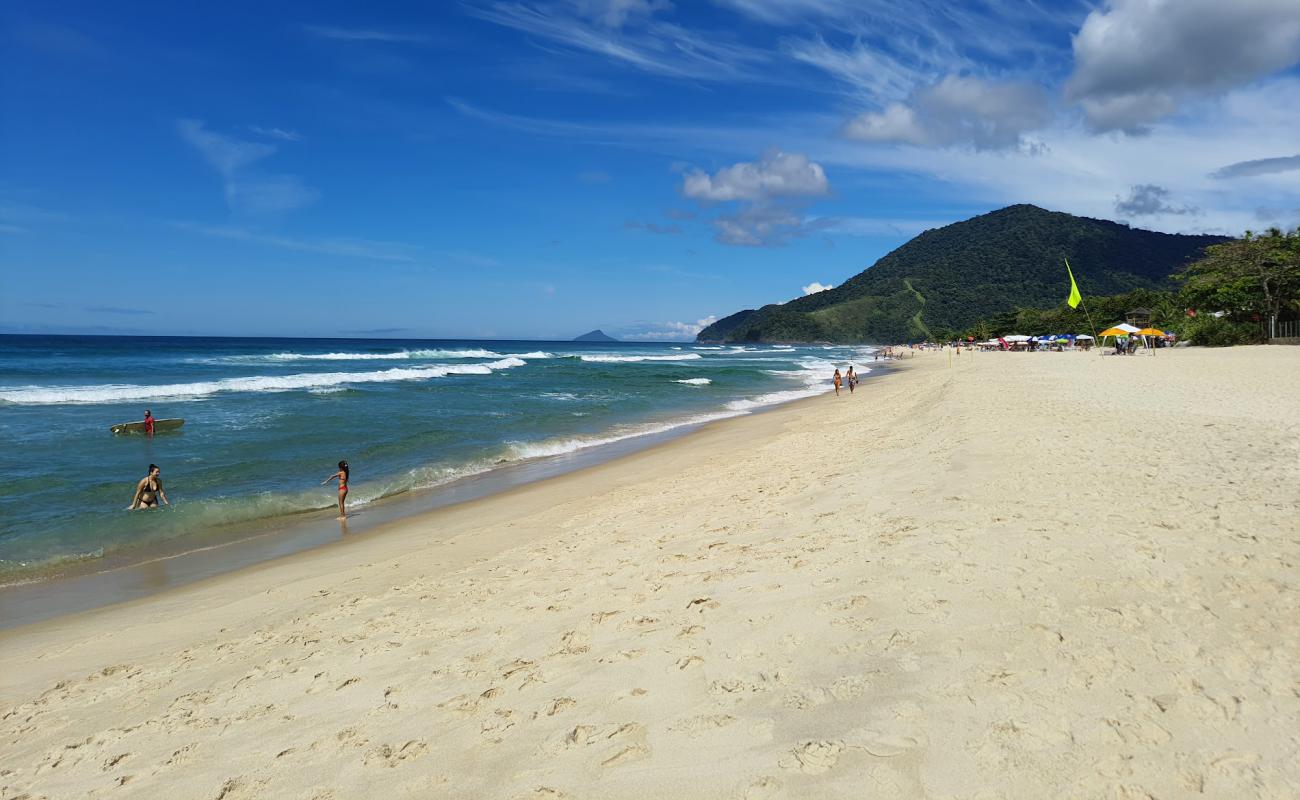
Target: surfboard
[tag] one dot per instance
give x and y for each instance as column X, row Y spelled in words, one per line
column 159, row 425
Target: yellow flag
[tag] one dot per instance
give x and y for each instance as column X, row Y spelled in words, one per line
column 1075, row 297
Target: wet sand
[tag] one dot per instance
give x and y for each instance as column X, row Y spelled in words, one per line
column 999, row 575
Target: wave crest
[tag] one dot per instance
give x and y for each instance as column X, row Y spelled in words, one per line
column 610, row 359
column 118, row 393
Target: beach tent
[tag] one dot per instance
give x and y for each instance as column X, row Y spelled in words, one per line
column 1084, row 336
column 1122, row 329
column 1015, row 337
column 1144, row 333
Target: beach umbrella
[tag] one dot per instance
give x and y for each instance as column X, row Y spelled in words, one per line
column 1084, row 336
column 1015, row 337
column 1151, row 332
column 1117, row 331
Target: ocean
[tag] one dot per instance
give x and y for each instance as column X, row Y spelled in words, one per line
column 267, row 419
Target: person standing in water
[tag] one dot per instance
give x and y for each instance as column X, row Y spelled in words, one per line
column 148, row 422
column 342, row 477
column 149, row 491
column 838, row 380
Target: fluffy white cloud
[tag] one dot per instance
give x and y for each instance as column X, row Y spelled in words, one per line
column 775, row 175
column 1082, row 173
column 671, row 331
column 958, row 110
column 815, row 287
column 770, row 194
column 1136, row 61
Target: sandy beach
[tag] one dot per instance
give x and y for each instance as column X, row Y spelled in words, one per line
column 993, row 575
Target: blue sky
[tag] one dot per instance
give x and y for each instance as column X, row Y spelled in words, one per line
column 535, row 170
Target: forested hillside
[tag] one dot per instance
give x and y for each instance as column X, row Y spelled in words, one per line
column 951, row 277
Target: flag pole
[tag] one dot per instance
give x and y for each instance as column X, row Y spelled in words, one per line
column 1075, row 290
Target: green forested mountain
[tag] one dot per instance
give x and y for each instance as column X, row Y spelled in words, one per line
column 951, row 277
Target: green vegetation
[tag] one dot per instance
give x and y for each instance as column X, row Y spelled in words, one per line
column 969, row 274
column 1254, row 276
column 1245, row 281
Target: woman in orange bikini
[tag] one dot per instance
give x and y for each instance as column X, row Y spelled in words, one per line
column 342, row 477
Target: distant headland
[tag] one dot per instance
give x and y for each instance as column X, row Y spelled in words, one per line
column 595, row 336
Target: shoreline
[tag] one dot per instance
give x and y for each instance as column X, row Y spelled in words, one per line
column 78, row 586
column 930, row 589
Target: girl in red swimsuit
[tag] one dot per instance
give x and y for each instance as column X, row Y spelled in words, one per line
column 342, row 477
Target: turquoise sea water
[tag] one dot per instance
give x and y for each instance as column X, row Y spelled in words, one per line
column 268, row 419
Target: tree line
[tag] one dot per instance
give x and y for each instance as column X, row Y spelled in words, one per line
column 1227, row 297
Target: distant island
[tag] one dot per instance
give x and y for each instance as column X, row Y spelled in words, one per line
column 951, row 277
column 595, row 336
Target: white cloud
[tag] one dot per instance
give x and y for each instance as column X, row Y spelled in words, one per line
column 771, row 193
column 1148, row 200
column 1258, row 166
column 653, row 46
column 225, row 153
column 815, row 287
column 1082, row 173
column 354, row 248
column 276, row 133
column 615, row 13
column 1138, row 61
column 671, row 331
column 775, row 175
column 958, row 110
column 367, row 35
column 246, row 190
column 869, row 71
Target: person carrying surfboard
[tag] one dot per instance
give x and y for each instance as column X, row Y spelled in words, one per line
column 149, row 491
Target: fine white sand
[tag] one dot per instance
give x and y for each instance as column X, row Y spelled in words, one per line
column 1000, row 575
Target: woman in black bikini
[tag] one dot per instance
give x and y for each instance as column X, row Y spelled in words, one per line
column 342, row 477
column 149, row 491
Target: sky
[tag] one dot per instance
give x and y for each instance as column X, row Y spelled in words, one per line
column 539, row 169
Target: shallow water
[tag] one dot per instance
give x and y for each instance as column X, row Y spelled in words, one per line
column 268, row 419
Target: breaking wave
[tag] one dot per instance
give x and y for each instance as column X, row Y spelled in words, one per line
column 116, row 393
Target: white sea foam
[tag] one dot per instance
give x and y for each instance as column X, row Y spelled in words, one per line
column 557, row 447
column 116, row 393
column 695, row 381
column 609, row 359
column 706, row 348
column 816, row 378
column 400, row 355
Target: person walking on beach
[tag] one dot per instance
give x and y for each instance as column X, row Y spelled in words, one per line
column 149, row 491
column 852, row 378
column 837, row 379
column 342, row 477
column 148, row 422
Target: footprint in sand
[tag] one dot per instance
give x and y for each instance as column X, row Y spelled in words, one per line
column 881, row 745
column 388, row 756
column 813, row 758
column 698, row 726
column 764, row 788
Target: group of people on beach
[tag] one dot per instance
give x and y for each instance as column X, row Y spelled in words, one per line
column 149, row 491
column 850, row 378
